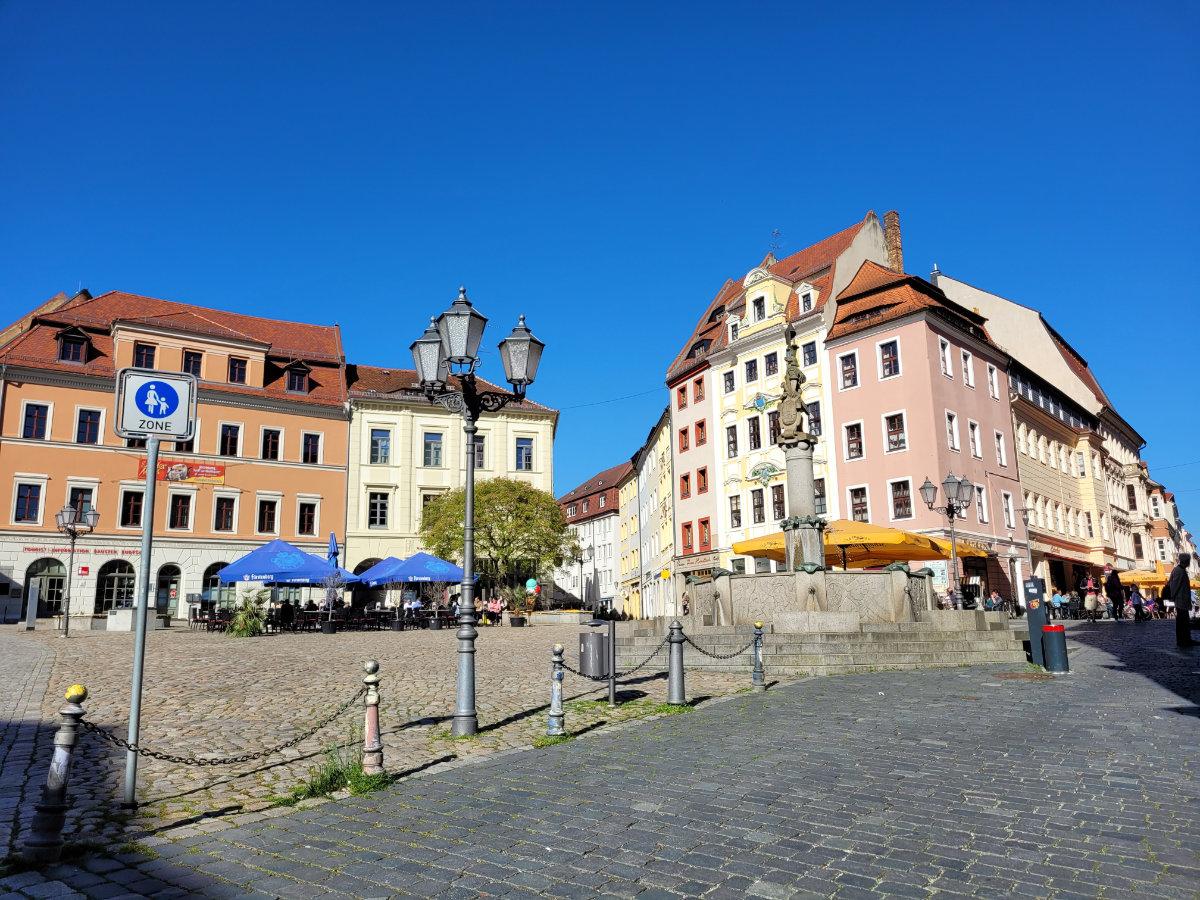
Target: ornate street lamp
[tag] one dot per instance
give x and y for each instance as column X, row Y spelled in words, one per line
column 958, row 493
column 74, row 521
column 446, row 357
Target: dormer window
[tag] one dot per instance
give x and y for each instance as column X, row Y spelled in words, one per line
column 237, row 370
column 733, row 331
column 760, row 309
column 297, row 380
column 72, row 348
column 716, row 314
column 806, row 302
column 698, row 348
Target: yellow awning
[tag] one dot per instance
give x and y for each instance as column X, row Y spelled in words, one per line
column 860, row 544
column 1155, row 578
column 965, row 548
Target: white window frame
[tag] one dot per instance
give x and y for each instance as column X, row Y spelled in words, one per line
column 879, row 359
column 227, row 493
column 975, row 438
column 277, row 496
column 862, row 434
column 373, row 427
column 883, row 430
column 857, row 372
column 124, row 487
column 850, row 504
column 754, row 308
column 178, row 491
column 262, row 430
column 968, row 365
column 49, row 404
column 320, row 448
column 442, row 442
column 241, row 427
column 993, row 376
column 982, row 513
column 912, row 499
column 83, row 481
column 315, row 499
column 1001, row 448
column 946, row 357
column 75, row 434
column 42, row 481
column 1006, row 501
column 533, row 449
column 956, row 443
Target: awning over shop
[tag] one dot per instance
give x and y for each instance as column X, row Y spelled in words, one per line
column 860, row 545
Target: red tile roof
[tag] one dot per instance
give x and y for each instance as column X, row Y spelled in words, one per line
column 1078, row 365
column 367, row 382
column 609, row 478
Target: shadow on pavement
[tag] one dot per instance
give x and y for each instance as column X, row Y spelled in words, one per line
column 1148, row 649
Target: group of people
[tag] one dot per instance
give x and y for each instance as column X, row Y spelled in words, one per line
column 1108, row 597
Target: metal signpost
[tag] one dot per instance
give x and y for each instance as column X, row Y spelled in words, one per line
column 151, row 405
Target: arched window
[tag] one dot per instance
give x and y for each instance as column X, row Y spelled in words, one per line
column 49, row 575
column 211, row 589
column 114, row 585
column 362, row 594
column 166, row 597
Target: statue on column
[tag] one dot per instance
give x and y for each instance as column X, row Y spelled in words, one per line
column 792, row 412
column 797, row 445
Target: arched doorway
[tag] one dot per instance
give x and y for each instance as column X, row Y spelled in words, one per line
column 213, row 593
column 114, row 585
column 363, row 595
column 50, row 576
column 166, row 597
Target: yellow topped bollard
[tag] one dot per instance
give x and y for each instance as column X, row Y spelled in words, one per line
column 45, row 840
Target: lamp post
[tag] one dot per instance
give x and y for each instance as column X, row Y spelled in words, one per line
column 958, row 493
column 585, row 554
column 74, row 521
column 446, row 357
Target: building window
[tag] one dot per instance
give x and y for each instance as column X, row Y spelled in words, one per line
column 981, row 506
column 814, row 417
column 993, row 382
column 180, row 513
column 758, row 512
column 571, row 510
column 730, row 382
column 87, row 428
column 976, row 444
column 806, row 302
column 859, row 510
column 731, row 441
column 270, row 443
column 809, row 353
column 433, row 449
column 131, row 509
column 681, row 396
column 230, row 438
column 192, row 361
column 1130, row 498
column 72, row 348
column 685, row 486
column 135, row 443
column 266, row 516
column 1138, row 550
column 224, row 510
column 143, row 355
column 480, row 451
column 698, row 389
column 735, row 511
column 1162, row 550
column 426, row 499
column 1006, row 501
column 897, row 437
column 524, row 454
column 733, row 332
column 701, row 433
column 306, row 519
column 819, row 496
column 952, row 431
column 848, row 367
column 854, row 441
column 777, row 506
column 705, row 535
column 968, row 370
column 29, row 503
column 80, row 499
column 37, row 415
column 751, row 370
column 683, row 439
column 381, row 447
column 115, row 583
column 1087, row 520
column 585, row 506
column 297, row 381
column 1001, row 449
column 944, row 355
column 237, row 370
column 310, row 449
column 760, row 309
column 702, row 480
column 188, row 446
column 754, row 433
column 687, row 536
column 771, row 364
column 773, row 427
column 901, row 499
column 889, row 359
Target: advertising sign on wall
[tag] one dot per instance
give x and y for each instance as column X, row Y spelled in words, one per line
column 178, row 471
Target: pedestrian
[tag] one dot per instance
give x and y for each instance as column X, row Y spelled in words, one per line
column 1115, row 591
column 1139, row 604
column 1091, row 597
column 1056, row 602
column 1179, row 590
column 1074, row 605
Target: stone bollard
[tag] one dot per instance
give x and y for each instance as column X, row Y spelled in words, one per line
column 372, row 761
column 556, row 721
column 757, row 681
column 45, row 842
column 676, row 695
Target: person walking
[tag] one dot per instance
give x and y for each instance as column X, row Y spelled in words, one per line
column 1139, row 605
column 1091, row 598
column 1180, row 591
column 1115, row 592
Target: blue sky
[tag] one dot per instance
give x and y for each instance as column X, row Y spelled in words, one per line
column 604, row 167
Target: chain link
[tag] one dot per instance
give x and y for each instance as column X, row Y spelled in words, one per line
column 645, row 662
column 107, row 736
column 720, row 655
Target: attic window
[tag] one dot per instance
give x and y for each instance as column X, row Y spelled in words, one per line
column 297, row 380
column 806, row 302
column 72, row 348
column 717, row 313
column 698, row 348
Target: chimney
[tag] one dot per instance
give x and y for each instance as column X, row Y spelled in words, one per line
column 891, row 237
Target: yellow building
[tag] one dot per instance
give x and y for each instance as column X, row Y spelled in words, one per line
column 629, row 575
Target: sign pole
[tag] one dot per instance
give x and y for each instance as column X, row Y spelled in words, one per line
column 139, row 647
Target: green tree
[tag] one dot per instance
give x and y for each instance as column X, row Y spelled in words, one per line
column 514, row 523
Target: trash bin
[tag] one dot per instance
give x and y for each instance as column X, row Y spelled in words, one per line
column 593, row 654
column 1054, row 649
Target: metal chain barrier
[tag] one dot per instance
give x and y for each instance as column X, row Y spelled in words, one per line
column 645, row 662
column 111, row 738
column 709, row 653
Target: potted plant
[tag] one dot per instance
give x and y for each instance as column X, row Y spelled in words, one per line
column 249, row 618
column 520, row 605
column 332, row 583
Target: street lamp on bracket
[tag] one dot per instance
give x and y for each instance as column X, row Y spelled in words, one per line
column 73, row 521
column 446, row 357
column 958, row 493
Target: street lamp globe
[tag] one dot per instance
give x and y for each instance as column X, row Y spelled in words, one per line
column 950, row 488
column 461, row 329
column 928, row 492
column 520, row 353
column 65, row 517
column 966, row 490
column 91, row 517
column 428, row 357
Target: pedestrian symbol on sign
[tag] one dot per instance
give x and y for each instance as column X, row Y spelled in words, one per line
column 157, row 399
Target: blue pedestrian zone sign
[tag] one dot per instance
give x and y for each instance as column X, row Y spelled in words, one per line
column 155, row 404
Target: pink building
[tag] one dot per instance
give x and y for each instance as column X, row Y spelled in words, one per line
column 919, row 391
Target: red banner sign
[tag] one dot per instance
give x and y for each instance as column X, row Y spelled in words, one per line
column 186, row 472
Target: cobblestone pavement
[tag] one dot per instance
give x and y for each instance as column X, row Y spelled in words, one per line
column 991, row 781
column 213, row 695
column 24, row 671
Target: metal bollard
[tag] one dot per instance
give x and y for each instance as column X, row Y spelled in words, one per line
column 45, row 842
column 1054, row 649
column 757, row 681
column 676, row 695
column 556, row 721
column 372, row 760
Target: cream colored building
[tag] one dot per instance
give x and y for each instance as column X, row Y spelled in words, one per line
column 405, row 451
column 629, row 571
column 656, row 521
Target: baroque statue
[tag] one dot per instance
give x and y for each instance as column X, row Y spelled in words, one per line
column 792, row 425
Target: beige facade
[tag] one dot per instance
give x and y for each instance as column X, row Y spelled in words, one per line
column 656, row 524
column 629, row 572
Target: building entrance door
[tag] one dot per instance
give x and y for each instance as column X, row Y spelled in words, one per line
column 166, row 599
column 50, row 575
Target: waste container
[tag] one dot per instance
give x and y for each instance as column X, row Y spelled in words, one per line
column 593, row 654
column 1054, row 649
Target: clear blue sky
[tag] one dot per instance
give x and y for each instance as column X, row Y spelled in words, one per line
column 604, row 167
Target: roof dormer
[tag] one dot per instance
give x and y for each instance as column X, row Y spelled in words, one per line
column 74, row 345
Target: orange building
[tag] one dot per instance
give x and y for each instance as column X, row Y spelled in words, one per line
column 268, row 458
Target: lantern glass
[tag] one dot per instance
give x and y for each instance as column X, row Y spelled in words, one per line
column 427, row 356
column 461, row 330
column 950, row 487
column 966, row 491
column 65, row 517
column 90, row 518
column 928, row 493
column 520, row 353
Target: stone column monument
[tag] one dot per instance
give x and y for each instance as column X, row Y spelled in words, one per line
column 797, row 444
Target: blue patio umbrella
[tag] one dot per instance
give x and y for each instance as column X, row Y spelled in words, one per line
column 426, row 567
column 278, row 562
column 333, row 550
column 381, row 573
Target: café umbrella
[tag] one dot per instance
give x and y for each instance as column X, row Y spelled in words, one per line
column 279, row 562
